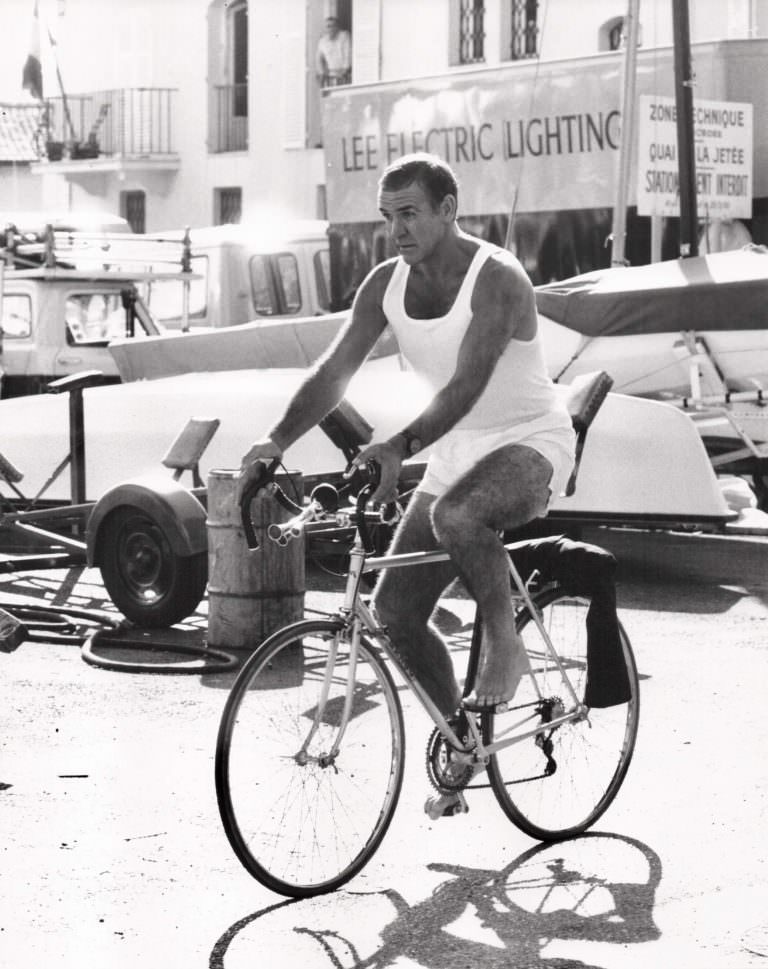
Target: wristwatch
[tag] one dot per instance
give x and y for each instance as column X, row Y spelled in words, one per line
column 412, row 443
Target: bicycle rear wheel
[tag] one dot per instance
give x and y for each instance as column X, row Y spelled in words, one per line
column 302, row 819
column 558, row 783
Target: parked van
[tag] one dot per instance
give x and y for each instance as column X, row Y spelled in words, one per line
column 86, row 290
column 245, row 273
column 57, row 322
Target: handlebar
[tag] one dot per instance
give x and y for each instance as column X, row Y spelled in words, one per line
column 282, row 533
column 264, row 480
column 324, row 499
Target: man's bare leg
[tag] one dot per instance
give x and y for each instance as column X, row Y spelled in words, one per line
column 405, row 599
column 505, row 490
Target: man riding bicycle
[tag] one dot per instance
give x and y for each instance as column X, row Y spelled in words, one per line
column 464, row 315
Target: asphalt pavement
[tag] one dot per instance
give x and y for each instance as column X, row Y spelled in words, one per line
column 113, row 855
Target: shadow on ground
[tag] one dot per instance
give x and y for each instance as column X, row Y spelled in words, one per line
column 596, row 888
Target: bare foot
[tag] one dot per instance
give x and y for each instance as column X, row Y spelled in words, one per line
column 497, row 679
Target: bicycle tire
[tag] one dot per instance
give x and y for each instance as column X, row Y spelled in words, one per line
column 591, row 756
column 300, row 826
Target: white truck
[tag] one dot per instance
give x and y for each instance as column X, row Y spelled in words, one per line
column 247, row 273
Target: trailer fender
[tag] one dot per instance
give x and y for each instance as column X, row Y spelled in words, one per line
column 177, row 511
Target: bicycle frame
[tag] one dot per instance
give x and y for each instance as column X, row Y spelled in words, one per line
column 359, row 618
column 310, row 752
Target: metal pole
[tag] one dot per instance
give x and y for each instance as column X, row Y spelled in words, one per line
column 77, row 445
column 628, row 86
column 684, row 83
column 186, row 268
column 64, row 100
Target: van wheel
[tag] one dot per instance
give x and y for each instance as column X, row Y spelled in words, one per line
column 148, row 582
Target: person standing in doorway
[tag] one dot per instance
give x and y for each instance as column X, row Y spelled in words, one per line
column 333, row 60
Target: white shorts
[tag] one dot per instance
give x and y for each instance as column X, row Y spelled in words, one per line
column 459, row 450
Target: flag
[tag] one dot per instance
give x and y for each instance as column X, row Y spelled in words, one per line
column 32, row 74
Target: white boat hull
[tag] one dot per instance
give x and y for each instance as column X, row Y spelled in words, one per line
column 643, row 461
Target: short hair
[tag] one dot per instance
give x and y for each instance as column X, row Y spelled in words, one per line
column 433, row 174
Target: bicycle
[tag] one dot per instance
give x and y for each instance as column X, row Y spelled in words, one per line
column 311, row 745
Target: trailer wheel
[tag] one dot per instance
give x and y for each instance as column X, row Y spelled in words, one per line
column 152, row 585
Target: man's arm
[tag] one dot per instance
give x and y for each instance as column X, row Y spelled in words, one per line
column 324, row 386
column 503, row 307
column 326, row 382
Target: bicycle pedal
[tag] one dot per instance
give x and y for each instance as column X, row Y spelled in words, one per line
column 445, row 805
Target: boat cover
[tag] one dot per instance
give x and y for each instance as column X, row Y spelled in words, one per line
column 719, row 291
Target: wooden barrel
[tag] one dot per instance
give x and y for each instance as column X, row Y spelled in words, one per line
column 250, row 593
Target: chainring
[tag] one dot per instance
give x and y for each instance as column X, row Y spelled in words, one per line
column 445, row 772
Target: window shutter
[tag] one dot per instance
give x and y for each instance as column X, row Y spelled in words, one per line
column 366, row 41
column 134, row 49
column 294, row 90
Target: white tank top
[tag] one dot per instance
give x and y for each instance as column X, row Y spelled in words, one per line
column 519, row 389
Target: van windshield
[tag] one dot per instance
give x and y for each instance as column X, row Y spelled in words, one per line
column 94, row 317
column 16, row 318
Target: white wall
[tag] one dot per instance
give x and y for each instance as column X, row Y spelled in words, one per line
column 414, row 38
column 417, row 35
column 282, row 174
column 164, row 43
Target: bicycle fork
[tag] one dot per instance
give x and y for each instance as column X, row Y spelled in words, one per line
column 330, row 673
column 349, row 633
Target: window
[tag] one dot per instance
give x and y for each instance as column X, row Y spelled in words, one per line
column 238, row 31
column 322, row 264
column 333, row 53
column 275, row 286
column 94, row 318
column 16, row 321
column 228, row 205
column 263, row 287
column 611, row 34
column 524, row 33
column 615, row 35
column 471, row 31
column 305, row 81
column 133, row 208
column 228, row 75
column 288, row 275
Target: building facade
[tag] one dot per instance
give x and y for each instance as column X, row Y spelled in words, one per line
column 196, row 112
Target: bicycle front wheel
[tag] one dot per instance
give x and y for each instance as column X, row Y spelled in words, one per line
column 305, row 791
column 556, row 784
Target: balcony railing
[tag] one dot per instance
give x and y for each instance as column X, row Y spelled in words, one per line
column 127, row 122
column 229, row 117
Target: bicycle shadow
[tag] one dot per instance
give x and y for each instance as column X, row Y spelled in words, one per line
column 600, row 887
